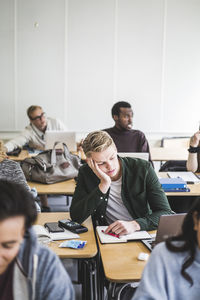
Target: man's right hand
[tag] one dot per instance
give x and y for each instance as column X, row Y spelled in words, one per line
column 105, row 180
column 194, row 141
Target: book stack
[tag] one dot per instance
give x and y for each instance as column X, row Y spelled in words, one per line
column 174, row 185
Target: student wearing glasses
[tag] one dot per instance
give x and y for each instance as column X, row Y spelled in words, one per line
column 33, row 135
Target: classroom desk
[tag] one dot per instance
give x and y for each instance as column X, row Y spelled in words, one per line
column 120, row 262
column 23, row 154
column 60, row 188
column 86, row 256
column 165, row 154
column 157, row 154
column 90, row 249
column 194, row 188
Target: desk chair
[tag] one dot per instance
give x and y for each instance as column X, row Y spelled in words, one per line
column 174, row 142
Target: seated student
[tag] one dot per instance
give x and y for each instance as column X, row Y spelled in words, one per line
column 33, row 135
column 193, row 162
column 122, row 192
column 27, row 270
column 11, row 171
column 172, row 271
column 125, row 138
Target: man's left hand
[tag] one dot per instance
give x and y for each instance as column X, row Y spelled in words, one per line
column 123, row 227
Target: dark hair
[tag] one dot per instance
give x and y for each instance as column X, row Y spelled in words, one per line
column 116, row 107
column 31, row 109
column 187, row 238
column 15, row 200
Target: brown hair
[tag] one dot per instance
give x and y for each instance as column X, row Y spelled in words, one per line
column 31, row 109
column 96, row 141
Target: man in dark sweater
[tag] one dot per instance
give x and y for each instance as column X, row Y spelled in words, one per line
column 123, row 193
column 125, row 138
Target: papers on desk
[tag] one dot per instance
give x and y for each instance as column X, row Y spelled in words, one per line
column 189, row 177
column 108, row 239
column 44, row 235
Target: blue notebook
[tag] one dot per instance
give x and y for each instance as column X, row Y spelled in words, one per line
column 172, row 190
column 173, row 183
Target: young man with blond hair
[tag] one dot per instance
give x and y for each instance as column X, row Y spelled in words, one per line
column 123, row 193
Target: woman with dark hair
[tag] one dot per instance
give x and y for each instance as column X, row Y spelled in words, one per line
column 173, row 269
column 28, row 270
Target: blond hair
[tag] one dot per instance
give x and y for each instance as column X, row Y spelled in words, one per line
column 3, row 154
column 97, row 141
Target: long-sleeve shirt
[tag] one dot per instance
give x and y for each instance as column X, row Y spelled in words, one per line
column 11, row 171
column 162, row 277
column 39, row 274
column 129, row 140
column 33, row 136
column 141, row 194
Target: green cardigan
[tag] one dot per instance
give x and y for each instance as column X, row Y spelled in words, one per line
column 141, row 194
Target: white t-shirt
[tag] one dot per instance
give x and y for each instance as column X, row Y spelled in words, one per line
column 116, row 209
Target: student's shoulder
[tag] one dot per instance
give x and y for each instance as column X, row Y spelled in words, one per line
column 10, row 164
column 161, row 250
column 138, row 132
column 85, row 169
column 135, row 162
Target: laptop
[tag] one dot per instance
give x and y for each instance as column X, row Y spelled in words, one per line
column 67, row 137
column 142, row 155
column 169, row 225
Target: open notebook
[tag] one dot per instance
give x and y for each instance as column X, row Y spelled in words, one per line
column 44, row 235
column 108, row 239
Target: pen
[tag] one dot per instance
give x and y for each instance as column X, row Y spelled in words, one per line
column 111, row 233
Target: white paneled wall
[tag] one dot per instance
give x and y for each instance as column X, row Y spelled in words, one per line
column 77, row 57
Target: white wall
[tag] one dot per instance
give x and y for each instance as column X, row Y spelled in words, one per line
column 77, row 57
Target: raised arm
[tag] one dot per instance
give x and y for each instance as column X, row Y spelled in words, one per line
column 192, row 162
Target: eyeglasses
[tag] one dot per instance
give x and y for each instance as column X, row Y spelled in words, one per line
column 38, row 117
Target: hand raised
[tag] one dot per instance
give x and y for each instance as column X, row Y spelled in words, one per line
column 194, row 141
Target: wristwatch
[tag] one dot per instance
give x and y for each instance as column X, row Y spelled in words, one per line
column 194, row 149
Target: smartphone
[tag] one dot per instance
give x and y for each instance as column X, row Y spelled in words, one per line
column 72, row 226
column 53, row 227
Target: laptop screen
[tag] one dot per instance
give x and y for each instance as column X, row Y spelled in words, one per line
column 169, row 225
column 141, row 155
column 67, row 137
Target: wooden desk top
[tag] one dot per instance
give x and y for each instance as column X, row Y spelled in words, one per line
column 23, row 154
column 165, row 154
column 194, row 188
column 120, row 261
column 90, row 249
column 60, row 188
